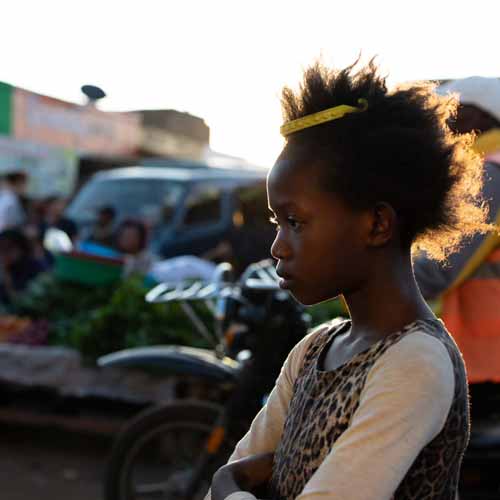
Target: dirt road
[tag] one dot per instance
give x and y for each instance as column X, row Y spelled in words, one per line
column 50, row 465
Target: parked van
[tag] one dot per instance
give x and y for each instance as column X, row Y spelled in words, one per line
column 189, row 211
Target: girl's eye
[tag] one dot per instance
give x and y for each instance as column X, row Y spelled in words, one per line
column 293, row 223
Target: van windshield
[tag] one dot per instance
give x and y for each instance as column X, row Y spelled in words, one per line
column 152, row 200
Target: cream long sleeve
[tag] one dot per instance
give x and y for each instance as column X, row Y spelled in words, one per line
column 265, row 431
column 403, row 406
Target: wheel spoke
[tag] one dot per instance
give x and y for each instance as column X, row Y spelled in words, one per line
column 167, row 453
column 158, row 461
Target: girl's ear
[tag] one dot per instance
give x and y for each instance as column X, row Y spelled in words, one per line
column 383, row 224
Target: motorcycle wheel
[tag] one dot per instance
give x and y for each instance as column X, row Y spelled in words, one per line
column 154, row 456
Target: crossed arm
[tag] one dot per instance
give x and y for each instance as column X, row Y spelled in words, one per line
column 246, row 475
column 404, row 405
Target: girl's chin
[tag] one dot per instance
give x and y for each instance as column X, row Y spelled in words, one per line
column 309, row 299
column 304, row 299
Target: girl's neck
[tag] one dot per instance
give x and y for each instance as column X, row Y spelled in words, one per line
column 387, row 301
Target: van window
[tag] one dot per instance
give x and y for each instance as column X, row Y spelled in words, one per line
column 147, row 199
column 252, row 202
column 203, row 206
column 253, row 234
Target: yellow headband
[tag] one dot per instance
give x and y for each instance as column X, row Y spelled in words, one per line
column 326, row 115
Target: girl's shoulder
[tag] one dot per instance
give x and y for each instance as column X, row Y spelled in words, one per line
column 427, row 340
column 422, row 346
column 424, row 357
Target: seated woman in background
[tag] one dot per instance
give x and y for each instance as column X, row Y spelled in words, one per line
column 131, row 240
column 104, row 231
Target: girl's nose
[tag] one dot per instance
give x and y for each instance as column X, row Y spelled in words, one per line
column 280, row 249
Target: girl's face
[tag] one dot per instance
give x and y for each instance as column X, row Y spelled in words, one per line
column 320, row 243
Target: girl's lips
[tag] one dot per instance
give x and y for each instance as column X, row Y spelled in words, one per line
column 285, row 279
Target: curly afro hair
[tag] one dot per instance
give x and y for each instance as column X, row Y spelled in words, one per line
column 400, row 151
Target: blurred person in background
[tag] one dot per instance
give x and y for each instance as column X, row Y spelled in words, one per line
column 54, row 217
column 132, row 241
column 467, row 287
column 18, row 264
column 34, row 227
column 104, row 229
column 45, row 214
column 12, row 192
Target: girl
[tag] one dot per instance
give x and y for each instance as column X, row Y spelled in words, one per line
column 375, row 407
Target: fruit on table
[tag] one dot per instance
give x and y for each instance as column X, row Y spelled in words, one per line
column 11, row 326
column 36, row 333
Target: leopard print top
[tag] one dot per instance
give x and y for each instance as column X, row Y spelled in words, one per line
column 324, row 402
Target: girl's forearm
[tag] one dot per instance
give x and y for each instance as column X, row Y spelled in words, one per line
column 224, row 483
column 245, row 474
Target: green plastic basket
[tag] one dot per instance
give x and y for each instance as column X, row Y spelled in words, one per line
column 87, row 269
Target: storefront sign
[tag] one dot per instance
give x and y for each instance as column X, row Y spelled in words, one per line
column 51, row 171
column 85, row 129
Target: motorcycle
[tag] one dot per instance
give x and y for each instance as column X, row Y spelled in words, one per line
column 173, row 450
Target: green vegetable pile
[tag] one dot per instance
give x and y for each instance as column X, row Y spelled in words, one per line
column 99, row 320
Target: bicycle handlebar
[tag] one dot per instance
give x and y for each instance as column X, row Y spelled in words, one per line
column 217, row 288
column 215, row 294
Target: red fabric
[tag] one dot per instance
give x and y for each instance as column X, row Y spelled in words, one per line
column 471, row 313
